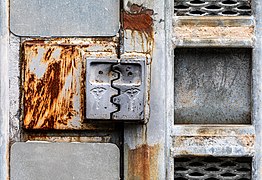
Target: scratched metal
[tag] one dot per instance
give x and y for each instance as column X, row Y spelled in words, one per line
column 213, row 168
column 64, row 18
column 212, row 86
column 52, row 98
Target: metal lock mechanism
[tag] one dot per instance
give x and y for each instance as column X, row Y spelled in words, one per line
column 115, row 89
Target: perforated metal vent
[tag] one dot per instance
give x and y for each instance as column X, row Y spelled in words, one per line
column 213, row 168
column 212, row 7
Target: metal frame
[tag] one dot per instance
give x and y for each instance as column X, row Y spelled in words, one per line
column 4, row 91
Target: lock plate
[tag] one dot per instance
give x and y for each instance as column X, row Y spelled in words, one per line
column 99, row 90
column 131, row 85
column 115, row 90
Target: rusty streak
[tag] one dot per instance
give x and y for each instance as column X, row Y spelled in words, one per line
column 143, row 162
column 52, row 86
column 138, row 22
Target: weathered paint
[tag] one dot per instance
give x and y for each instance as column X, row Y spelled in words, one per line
column 143, row 162
column 92, row 139
column 52, row 92
column 138, row 27
column 4, row 91
column 213, row 140
column 53, row 85
column 209, row 31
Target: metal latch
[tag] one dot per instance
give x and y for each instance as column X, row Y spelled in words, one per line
column 115, row 89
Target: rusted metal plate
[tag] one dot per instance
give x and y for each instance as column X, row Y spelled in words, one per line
column 212, row 86
column 53, row 18
column 52, row 86
column 213, row 31
column 67, row 161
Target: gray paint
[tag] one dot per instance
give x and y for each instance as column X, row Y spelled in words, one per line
column 131, row 85
column 98, row 88
column 256, row 93
column 212, row 86
column 4, row 91
column 64, row 18
column 64, row 161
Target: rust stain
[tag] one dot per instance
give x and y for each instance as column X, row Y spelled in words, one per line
column 51, row 87
column 142, row 162
column 139, row 21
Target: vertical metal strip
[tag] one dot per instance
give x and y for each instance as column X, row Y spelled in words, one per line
column 257, row 89
column 4, row 88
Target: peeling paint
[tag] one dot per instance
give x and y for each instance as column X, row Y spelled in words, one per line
column 53, row 82
column 52, row 87
column 143, row 162
column 138, row 27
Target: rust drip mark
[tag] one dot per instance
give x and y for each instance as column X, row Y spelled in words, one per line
column 142, row 162
column 139, row 20
column 51, row 87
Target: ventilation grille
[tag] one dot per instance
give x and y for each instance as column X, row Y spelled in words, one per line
column 213, row 168
column 212, row 7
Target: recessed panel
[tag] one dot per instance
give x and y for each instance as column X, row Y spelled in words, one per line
column 64, row 18
column 213, row 168
column 212, row 86
column 64, row 161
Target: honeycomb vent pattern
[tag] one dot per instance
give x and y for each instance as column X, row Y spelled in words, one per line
column 213, row 168
column 212, row 8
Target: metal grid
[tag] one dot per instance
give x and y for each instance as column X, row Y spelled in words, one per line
column 213, row 168
column 212, row 8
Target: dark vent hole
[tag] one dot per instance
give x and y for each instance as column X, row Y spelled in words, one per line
column 182, row 7
column 228, row 175
column 229, row 2
column 212, row 160
column 229, row 13
column 196, row 164
column 182, row 159
column 197, row 2
column 226, row 164
column 180, row 169
column 243, row 160
column 243, row 170
column 196, row 174
column 197, row 12
column 180, row 178
column 212, row 179
column 244, row 8
column 213, row 7
column 212, row 169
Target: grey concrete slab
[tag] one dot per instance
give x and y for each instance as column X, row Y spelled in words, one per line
column 64, row 17
column 64, row 161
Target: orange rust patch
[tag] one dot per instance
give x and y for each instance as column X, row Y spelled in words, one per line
column 138, row 22
column 142, row 162
column 52, row 87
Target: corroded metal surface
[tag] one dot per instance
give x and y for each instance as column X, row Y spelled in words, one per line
column 138, row 29
column 213, row 86
column 53, row 81
column 143, row 162
column 213, row 31
column 213, row 140
column 52, row 86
